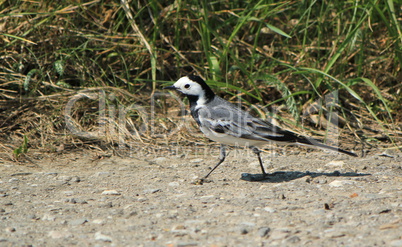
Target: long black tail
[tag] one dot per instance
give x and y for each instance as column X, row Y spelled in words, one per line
column 312, row 142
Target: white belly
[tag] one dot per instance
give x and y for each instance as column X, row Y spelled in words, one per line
column 230, row 140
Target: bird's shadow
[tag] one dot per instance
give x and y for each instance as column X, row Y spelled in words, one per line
column 284, row 176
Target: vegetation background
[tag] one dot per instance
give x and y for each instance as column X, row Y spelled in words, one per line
column 285, row 57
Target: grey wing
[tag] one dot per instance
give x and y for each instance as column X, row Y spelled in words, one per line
column 274, row 133
column 237, row 123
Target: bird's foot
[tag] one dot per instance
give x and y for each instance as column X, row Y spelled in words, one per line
column 201, row 181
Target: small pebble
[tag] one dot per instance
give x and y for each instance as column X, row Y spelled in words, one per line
column 269, row 210
column 10, row 229
column 336, row 163
column 190, row 244
column 51, row 173
column 64, row 178
column 134, row 213
column 111, row 192
column 320, row 180
column 32, row 217
column 173, row 184
column 263, row 231
column 332, row 233
column 282, row 196
column 318, row 212
column 178, row 227
column 103, row 174
column 246, row 227
column 49, row 217
column 106, row 205
column 75, row 179
column 101, row 237
column 243, row 231
column 151, row 191
column 340, row 183
column 279, row 234
column 160, row 160
column 179, row 231
column 396, row 243
column 77, row 222
column 199, row 160
column 98, row 221
column 60, row 234
column 68, row 192
column 292, row 240
column 386, row 155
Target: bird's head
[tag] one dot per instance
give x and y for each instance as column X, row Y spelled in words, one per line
column 192, row 86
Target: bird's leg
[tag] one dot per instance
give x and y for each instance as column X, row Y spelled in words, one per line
column 222, row 157
column 257, row 151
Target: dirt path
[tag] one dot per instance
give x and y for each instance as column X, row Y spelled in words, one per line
column 316, row 199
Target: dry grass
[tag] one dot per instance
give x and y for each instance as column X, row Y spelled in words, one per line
column 113, row 59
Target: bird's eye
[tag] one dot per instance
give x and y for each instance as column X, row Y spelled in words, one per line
column 187, row 86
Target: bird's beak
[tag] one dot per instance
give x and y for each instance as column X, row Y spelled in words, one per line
column 170, row 87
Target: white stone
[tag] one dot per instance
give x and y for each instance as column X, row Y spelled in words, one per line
column 101, row 237
column 160, row 160
column 98, row 221
column 340, row 183
column 173, row 184
column 269, row 210
column 60, row 234
column 111, row 192
column 198, row 160
column 336, row 163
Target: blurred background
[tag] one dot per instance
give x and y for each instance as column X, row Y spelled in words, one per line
column 309, row 65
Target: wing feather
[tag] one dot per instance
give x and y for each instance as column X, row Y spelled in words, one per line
column 242, row 125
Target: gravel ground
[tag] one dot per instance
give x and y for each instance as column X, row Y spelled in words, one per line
column 312, row 199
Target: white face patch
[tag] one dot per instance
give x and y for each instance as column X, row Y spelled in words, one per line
column 189, row 87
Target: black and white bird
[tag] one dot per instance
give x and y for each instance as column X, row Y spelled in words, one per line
column 227, row 124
